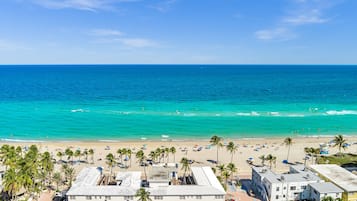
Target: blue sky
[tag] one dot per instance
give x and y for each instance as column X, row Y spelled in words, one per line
column 178, row 31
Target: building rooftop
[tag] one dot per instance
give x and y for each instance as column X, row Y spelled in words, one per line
column 296, row 174
column 326, row 187
column 204, row 176
column 128, row 183
column 129, row 179
column 338, row 175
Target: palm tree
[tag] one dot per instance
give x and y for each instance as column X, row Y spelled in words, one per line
column 57, row 178
column 91, row 153
column 262, row 158
column 125, row 156
column 110, row 161
column 216, row 141
column 143, row 195
column 120, row 152
column 129, row 153
column 85, row 153
column 232, row 149
column 340, row 142
column 288, row 142
column 70, row 172
column 141, row 157
column 221, row 169
column 225, row 176
column 327, row 198
column 64, row 169
column 47, row 165
column 77, row 153
column 271, row 159
column 185, row 167
column 11, row 182
column 69, row 154
column 232, row 169
column 167, row 153
column 152, row 155
column 173, row 151
column 60, row 155
column 19, row 150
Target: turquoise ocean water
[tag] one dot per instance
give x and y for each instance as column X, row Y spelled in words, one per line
column 177, row 102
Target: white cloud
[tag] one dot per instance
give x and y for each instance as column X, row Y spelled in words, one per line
column 308, row 17
column 303, row 12
column 6, row 45
column 137, row 42
column 163, row 6
column 115, row 36
column 276, row 34
column 89, row 5
column 106, row 32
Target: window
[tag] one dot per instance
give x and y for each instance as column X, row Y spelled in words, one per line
column 292, row 188
column 158, row 198
column 283, row 196
column 303, row 187
column 277, row 189
column 108, row 197
column 337, row 194
column 198, row 197
column 72, row 197
column 128, row 197
column 182, row 197
column 284, row 187
column 218, row 196
column 277, row 197
column 88, row 197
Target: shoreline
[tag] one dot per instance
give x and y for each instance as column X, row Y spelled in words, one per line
column 9, row 140
column 247, row 148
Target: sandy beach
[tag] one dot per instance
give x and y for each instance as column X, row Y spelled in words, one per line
column 247, row 148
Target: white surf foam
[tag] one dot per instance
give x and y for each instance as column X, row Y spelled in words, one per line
column 79, row 110
column 19, row 140
column 341, row 112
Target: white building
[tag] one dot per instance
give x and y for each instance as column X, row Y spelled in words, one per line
column 88, row 187
column 294, row 185
column 341, row 177
column 318, row 191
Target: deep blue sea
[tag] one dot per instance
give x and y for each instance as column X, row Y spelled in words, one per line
column 109, row 102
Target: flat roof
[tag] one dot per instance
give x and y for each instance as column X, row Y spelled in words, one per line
column 204, row 176
column 338, row 175
column 298, row 175
column 129, row 179
column 326, row 187
column 86, row 184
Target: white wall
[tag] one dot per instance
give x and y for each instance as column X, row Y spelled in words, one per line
column 164, row 198
column 316, row 196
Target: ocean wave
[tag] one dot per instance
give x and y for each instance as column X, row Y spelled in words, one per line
column 19, row 140
column 109, row 140
column 295, row 115
column 341, row 112
column 79, row 110
column 253, row 113
column 274, row 113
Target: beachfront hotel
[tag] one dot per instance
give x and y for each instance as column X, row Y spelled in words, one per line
column 298, row 184
column 161, row 182
column 341, row 177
